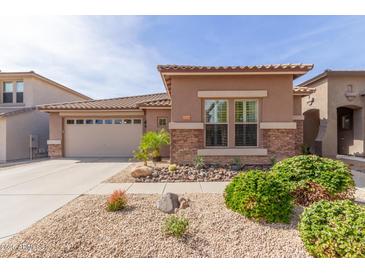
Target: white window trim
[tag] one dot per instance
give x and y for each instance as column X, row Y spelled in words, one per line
column 162, row 126
column 232, row 152
column 248, row 123
column 184, row 125
column 205, row 123
column 278, row 125
column 14, row 90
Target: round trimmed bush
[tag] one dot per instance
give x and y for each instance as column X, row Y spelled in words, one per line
column 259, row 195
column 334, row 229
column 334, row 176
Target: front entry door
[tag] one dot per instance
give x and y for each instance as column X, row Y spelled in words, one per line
column 345, row 133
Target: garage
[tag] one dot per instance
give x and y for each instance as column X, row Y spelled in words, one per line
column 101, row 137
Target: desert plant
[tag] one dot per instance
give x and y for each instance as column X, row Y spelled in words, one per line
column 273, row 160
column 305, row 149
column 152, row 142
column 199, row 162
column 141, row 154
column 172, row 168
column 334, row 229
column 259, row 195
column 310, row 192
column 236, row 164
column 175, row 226
column 117, row 200
column 334, row 176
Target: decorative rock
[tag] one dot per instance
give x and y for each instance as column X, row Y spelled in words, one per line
column 184, row 202
column 168, row 203
column 141, row 171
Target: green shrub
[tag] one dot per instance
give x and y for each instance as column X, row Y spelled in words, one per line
column 199, row 162
column 176, row 226
column 141, row 154
column 151, row 144
column 334, row 229
column 172, row 168
column 258, row 194
column 117, row 201
column 334, row 176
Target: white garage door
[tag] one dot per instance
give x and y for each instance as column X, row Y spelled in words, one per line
column 101, row 137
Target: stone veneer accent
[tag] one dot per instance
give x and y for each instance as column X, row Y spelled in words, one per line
column 185, row 144
column 281, row 143
column 55, row 150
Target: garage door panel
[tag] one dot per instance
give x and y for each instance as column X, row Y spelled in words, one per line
column 104, row 140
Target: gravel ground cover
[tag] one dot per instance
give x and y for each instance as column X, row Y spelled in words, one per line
column 83, row 228
column 183, row 173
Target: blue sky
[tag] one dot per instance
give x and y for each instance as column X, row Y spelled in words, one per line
column 105, row 56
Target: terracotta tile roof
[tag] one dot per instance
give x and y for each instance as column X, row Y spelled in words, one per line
column 257, row 68
column 122, row 103
column 157, row 103
column 303, row 90
column 296, row 70
column 6, row 112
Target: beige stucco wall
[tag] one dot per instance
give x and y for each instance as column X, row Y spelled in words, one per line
column 330, row 95
column 18, row 129
column 2, row 140
column 316, row 130
column 151, row 124
column 153, row 114
column 42, row 92
column 297, row 105
column 276, row 107
column 336, row 98
column 55, row 126
column 320, row 99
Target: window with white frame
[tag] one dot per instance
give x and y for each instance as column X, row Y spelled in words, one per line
column 216, row 123
column 162, row 122
column 246, row 122
column 7, row 92
column 19, row 91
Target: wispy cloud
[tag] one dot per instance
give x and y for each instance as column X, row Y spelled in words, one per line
column 99, row 56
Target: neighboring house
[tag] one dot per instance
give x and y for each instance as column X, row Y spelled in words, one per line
column 334, row 115
column 20, row 92
column 219, row 113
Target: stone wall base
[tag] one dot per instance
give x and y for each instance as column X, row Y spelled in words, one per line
column 245, row 160
column 280, row 143
column 55, row 150
column 185, row 144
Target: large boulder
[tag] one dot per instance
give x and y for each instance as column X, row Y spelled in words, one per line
column 141, row 171
column 168, row 203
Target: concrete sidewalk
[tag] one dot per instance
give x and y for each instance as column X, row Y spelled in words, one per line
column 198, row 187
column 160, row 188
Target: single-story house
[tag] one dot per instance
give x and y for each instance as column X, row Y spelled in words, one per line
column 23, row 129
column 334, row 115
column 219, row 113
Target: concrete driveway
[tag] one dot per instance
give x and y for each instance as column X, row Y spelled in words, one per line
column 30, row 192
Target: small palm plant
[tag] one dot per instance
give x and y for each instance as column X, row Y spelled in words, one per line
column 151, row 144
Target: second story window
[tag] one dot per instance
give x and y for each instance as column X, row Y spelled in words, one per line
column 19, row 91
column 7, row 92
